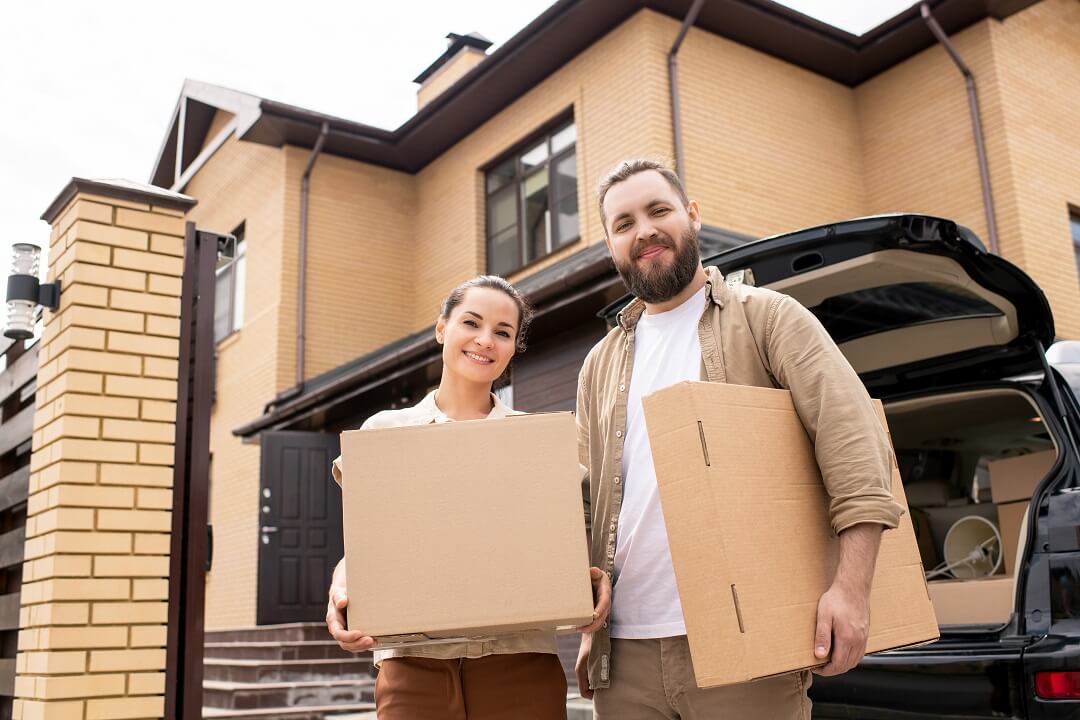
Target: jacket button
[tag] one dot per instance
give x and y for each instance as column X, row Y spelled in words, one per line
column 622, row 388
column 618, row 433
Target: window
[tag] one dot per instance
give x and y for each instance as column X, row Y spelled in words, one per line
column 532, row 204
column 229, row 293
column 1074, row 225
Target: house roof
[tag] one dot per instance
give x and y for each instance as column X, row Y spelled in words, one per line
column 563, row 31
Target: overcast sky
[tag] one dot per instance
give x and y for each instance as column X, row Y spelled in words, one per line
column 88, row 88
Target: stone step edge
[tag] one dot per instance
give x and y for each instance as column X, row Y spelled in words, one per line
column 209, row 712
column 234, row 685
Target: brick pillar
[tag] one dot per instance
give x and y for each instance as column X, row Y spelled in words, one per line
column 95, row 579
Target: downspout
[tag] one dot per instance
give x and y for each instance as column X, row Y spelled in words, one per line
column 976, row 123
column 302, row 266
column 673, row 85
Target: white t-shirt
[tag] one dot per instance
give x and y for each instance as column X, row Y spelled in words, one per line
column 645, row 600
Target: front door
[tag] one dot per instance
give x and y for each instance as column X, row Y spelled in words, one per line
column 300, row 537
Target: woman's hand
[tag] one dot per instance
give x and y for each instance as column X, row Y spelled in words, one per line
column 601, row 585
column 349, row 640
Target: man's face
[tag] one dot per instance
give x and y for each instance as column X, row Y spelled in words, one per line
column 652, row 237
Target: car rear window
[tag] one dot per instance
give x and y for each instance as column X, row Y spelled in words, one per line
column 889, row 307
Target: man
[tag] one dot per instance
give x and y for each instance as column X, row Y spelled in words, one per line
column 686, row 323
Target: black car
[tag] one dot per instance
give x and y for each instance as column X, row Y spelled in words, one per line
column 952, row 340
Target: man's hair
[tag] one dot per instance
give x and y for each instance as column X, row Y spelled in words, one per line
column 627, row 169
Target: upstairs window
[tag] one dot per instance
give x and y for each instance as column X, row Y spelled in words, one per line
column 1074, row 226
column 229, row 292
column 532, row 203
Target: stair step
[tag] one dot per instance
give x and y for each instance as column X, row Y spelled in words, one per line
column 290, row 713
column 236, row 670
column 257, row 695
column 289, row 632
column 291, row 650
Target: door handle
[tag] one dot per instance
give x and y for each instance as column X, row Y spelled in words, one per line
column 269, row 529
column 266, row 530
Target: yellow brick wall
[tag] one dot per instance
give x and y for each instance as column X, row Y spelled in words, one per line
column 95, row 580
column 1038, row 75
column 242, row 182
column 456, row 68
column 769, row 147
column 361, row 242
column 618, row 91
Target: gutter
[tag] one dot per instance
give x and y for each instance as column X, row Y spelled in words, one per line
column 673, row 86
column 976, row 124
column 305, row 191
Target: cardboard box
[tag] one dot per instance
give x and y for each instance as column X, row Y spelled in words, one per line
column 987, row 601
column 465, row 529
column 1016, row 478
column 1010, row 518
column 748, row 525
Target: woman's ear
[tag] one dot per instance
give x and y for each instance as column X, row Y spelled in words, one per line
column 440, row 330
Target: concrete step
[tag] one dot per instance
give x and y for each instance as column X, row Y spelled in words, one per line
column 293, row 650
column 290, row 713
column 262, row 695
column 236, row 670
column 290, row 632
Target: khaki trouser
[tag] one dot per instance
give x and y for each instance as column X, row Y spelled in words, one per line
column 654, row 680
column 519, row 686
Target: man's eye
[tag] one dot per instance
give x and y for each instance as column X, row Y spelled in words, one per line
column 622, row 227
column 660, row 211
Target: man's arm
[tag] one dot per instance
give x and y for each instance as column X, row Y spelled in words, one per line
column 843, row 618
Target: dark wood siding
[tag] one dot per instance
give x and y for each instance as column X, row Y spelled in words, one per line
column 545, row 376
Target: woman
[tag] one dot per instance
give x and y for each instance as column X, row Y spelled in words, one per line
column 482, row 325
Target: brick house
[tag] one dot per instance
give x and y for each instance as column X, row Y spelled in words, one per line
column 350, row 235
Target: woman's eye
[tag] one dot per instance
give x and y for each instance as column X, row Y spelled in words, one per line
column 504, row 334
column 471, row 323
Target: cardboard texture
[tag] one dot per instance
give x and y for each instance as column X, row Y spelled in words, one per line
column 1016, row 478
column 1010, row 517
column 465, row 529
column 965, row 602
column 748, row 525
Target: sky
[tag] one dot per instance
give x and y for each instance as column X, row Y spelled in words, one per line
column 87, row 89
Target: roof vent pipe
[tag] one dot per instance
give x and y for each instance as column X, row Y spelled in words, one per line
column 302, row 264
column 976, row 124
column 673, row 85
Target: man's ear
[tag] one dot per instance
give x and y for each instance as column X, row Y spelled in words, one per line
column 440, row 330
column 694, row 212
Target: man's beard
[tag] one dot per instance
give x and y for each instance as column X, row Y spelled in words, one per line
column 659, row 284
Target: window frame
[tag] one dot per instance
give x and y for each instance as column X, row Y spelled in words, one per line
column 234, row 325
column 1074, row 233
column 552, row 242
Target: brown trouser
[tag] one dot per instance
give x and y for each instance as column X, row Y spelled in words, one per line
column 654, row 680
column 521, row 686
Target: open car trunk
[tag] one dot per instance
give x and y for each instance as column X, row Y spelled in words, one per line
column 970, row 462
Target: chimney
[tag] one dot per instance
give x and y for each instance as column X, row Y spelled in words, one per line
column 463, row 53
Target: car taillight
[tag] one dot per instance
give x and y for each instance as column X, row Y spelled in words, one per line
column 1058, row 685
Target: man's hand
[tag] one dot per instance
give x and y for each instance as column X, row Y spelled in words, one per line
column 349, row 640
column 601, row 585
column 581, row 667
column 843, row 617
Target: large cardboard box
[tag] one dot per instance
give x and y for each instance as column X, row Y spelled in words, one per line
column 465, row 529
column 1015, row 478
column 986, row 601
column 1010, row 518
column 748, row 524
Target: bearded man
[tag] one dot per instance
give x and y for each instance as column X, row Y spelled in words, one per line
column 686, row 323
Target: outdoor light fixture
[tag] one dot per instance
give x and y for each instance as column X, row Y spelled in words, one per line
column 25, row 292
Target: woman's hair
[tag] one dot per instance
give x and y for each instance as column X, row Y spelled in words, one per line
column 525, row 311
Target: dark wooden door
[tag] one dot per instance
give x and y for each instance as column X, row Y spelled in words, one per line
column 299, row 526
column 545, row 376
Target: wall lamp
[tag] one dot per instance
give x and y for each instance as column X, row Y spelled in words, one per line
column 25, row 292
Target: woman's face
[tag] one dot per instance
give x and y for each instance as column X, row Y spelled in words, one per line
column 480, row 336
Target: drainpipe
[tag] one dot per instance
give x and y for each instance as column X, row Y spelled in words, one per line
column 976, row 123
column 673, row 85
column 300, row 304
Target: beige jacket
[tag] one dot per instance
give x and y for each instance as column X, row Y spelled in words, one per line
column 424, row 412
column 749, row 336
